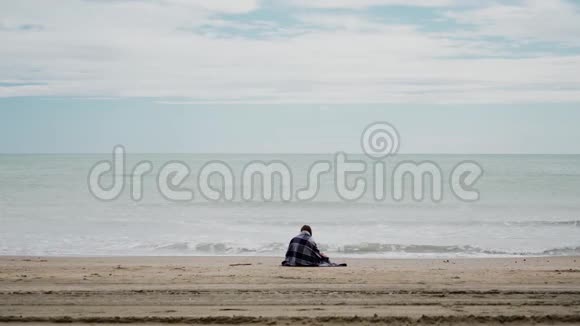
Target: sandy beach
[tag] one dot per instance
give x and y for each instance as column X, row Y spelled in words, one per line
column 256, row 290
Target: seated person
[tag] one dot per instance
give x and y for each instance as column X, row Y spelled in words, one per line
column 303, row 251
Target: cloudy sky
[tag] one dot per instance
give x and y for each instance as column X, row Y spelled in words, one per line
column 289, row 76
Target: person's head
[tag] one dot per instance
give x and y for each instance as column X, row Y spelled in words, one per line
column 306, row 228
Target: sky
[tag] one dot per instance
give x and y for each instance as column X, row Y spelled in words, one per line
column 297, row 76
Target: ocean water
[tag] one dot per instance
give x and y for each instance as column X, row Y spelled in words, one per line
column 529, row 205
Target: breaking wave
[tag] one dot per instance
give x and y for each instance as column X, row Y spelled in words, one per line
column 362, row 249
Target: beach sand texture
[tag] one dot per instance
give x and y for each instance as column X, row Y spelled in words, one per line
column 256, row 290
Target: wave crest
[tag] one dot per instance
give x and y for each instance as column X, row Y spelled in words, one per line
column 380, row 249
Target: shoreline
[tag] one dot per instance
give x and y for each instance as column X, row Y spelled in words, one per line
column 256, row 290
column 333, row 256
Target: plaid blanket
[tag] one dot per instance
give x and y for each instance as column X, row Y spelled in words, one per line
column 302, row 251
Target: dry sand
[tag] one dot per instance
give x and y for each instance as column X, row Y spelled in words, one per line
column 251, row 290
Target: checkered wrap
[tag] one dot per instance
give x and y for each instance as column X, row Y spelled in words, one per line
column 302, row 251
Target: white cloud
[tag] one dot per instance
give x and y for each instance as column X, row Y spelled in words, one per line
column 540, row 20
column 359, row 4
column 227, row 6
column 138, row 48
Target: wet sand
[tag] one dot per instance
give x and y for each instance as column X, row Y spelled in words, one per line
column 256, row 290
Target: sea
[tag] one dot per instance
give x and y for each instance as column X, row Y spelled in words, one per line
column 529, row 205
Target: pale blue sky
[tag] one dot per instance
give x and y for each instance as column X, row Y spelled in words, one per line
column 64, row 125
column 289, row 76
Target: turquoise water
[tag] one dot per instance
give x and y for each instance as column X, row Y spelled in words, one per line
column 529, row 205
